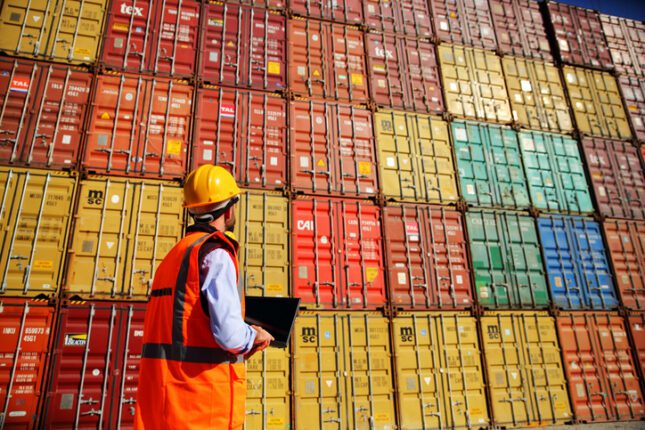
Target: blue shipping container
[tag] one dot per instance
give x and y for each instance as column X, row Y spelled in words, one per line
column 577, row 265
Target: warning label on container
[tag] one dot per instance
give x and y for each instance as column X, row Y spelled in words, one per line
column 76, row 339
column 357, row 79
column 173, row 147
column 42, row 265
column 371, row 273
column 273, row 68
column 364, row 168
column 120, row 27
column 19, row 84
column 227, row 111
column 412, row 231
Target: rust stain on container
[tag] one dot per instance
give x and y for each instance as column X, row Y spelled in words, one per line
column 464, row 22
column 410, row 18
column 519, row 28
column 603, row 379
column 626, row 243
column 332, row 149
column 633, row 90
column 626, row 40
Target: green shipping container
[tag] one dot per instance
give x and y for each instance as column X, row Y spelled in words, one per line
column 555, row 172
column 490, row 165
column 507, row 263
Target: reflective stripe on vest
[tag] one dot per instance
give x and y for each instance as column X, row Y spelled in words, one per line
column 177, row 351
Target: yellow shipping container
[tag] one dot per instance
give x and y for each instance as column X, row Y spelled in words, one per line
column 537, row 95
column 473, row 83
column 122, row 230
column 63, row 30
column 524, row 368
column 342, row 371
column 262, row 229
column 438, row 368
column 415, row 158
column 34, row 223
column 268, row 402
column 596, row 103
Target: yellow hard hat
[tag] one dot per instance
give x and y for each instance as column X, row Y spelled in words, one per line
column 208, row 185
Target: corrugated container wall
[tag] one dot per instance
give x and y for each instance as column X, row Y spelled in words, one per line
column 268, row 399
column 464, row 22
column 438, row 368
column 525, row 372
column 633, row 90
column 35, row 211
column 602, row 375
column 626, row 40
column 58, row 30
column 243, row 131
column 520, row 29
column 425, row 248
column 343, row 371
column 626, row 244
column 95, row 366
column 345, row 11
column 24, row 354
column 411, row 18
column 43, row 113
column 636, row 323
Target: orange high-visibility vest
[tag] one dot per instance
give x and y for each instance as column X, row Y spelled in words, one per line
column 186, row 381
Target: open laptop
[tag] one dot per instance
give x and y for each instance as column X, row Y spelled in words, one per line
column 274, row 314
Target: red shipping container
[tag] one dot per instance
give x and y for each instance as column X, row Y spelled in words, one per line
column 636, row 324
column 244, row 131
column 24, row 353
column 406, row 17
column 404, row 73
column 139, row 125
column 520, row 29
column 95, row 366
column 267, row 4
column 427, row 263
column 626, row 243
column 617, row 177
column 332, row 149
column 345, row 11
column 464, row 22
column 242, row 47
column 626, row 40
column 44, row 108
column 149, row 37
column 327, row 61
column 579, row 36
column 633, row 90
column 337, row 253
column 603, row 380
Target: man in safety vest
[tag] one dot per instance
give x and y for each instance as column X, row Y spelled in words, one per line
column 192, row 372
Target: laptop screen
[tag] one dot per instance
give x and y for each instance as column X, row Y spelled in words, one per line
column 274, row 314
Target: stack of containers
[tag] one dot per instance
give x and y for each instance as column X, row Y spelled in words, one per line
column 603, row 378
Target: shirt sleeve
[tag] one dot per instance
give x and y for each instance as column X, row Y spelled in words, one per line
column 225, row 311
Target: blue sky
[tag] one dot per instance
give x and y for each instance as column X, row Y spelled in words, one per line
column 634, row 9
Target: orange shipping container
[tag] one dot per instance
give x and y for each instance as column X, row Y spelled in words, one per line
column 626, row 243
column 410, row 18
column 636, row 324
column 633, row 91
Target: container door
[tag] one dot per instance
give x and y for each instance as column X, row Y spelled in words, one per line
column 222, row 39
column 464, row 22
column 422, row 72
column 345, row 11
column 266, row 67
column 386, row 70
column 519, row 29
column 626, row 244
column 175, row 46
column 633, row 90
column 268, row 398
column 26, row 27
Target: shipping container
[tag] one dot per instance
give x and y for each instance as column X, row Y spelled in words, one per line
column 438, row 371
column 473, row 84
column 268, row 399
column 519, row 28
column 242, row 46
column 345, row 11
column 576, row 263
column 596, row 102
column 537, row 95
column 95, row 366
column 464, row 22
column 151, row 37
column 578, row 33
column 555, row 172
column 35, row 212
column 602, row 376
column 24, row 354
column 337, row 256
column 626, row 244
column 43, row 113
column 506, row 259
column 410, row 18
column 633, row 90
column 626, row 41
column 332, row 149
column 617, row 177
column 327, row 60
column 262, row 230
column 490, row 165
column 139, row 126
column 61, row 30
column 403, row 73
column 415, row 158
column 425, row 250
column 243, row 131
column 525, row 375
column 343, row 371
column 636, row 324
column 122, row 230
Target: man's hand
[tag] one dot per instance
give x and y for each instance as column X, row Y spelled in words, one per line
column 262, row 340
